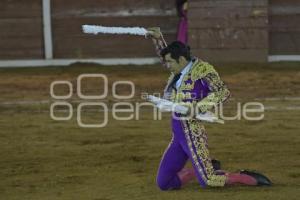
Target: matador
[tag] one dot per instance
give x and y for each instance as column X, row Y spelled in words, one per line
column 197, row 85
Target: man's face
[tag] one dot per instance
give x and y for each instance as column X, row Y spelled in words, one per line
column 174, row 66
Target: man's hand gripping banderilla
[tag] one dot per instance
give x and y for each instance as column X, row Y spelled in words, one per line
column 154, row 32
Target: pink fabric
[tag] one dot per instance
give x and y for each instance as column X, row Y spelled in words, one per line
column 186, row 175
column 182, row 32
column 237, row 178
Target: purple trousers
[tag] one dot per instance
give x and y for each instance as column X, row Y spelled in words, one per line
column 189, row 142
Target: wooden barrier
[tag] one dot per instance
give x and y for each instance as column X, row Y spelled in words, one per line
column 284, row 27
column 219, row 31
column 229, row 30
column 69, row 15
column 21, row 30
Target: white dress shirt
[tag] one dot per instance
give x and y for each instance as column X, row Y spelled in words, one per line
column 185, row 70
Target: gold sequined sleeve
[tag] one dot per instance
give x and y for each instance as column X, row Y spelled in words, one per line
column 218, row 92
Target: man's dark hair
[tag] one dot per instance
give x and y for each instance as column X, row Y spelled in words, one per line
column 177, row 49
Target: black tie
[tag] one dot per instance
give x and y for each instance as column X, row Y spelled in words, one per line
column 175, row 79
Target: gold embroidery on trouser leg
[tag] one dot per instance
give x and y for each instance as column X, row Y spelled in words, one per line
column 193, row 154
column 199, row 140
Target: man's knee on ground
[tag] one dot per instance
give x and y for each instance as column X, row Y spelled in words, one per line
column 165, row 185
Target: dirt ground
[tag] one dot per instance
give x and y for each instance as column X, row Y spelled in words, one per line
column 46, row 159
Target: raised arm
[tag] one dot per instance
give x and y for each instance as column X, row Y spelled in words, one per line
column 158, row 40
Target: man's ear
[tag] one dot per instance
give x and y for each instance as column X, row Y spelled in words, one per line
column 182, row 59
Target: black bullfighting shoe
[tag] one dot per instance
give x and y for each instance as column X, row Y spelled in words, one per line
column 261, row 179
column 216, row 164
